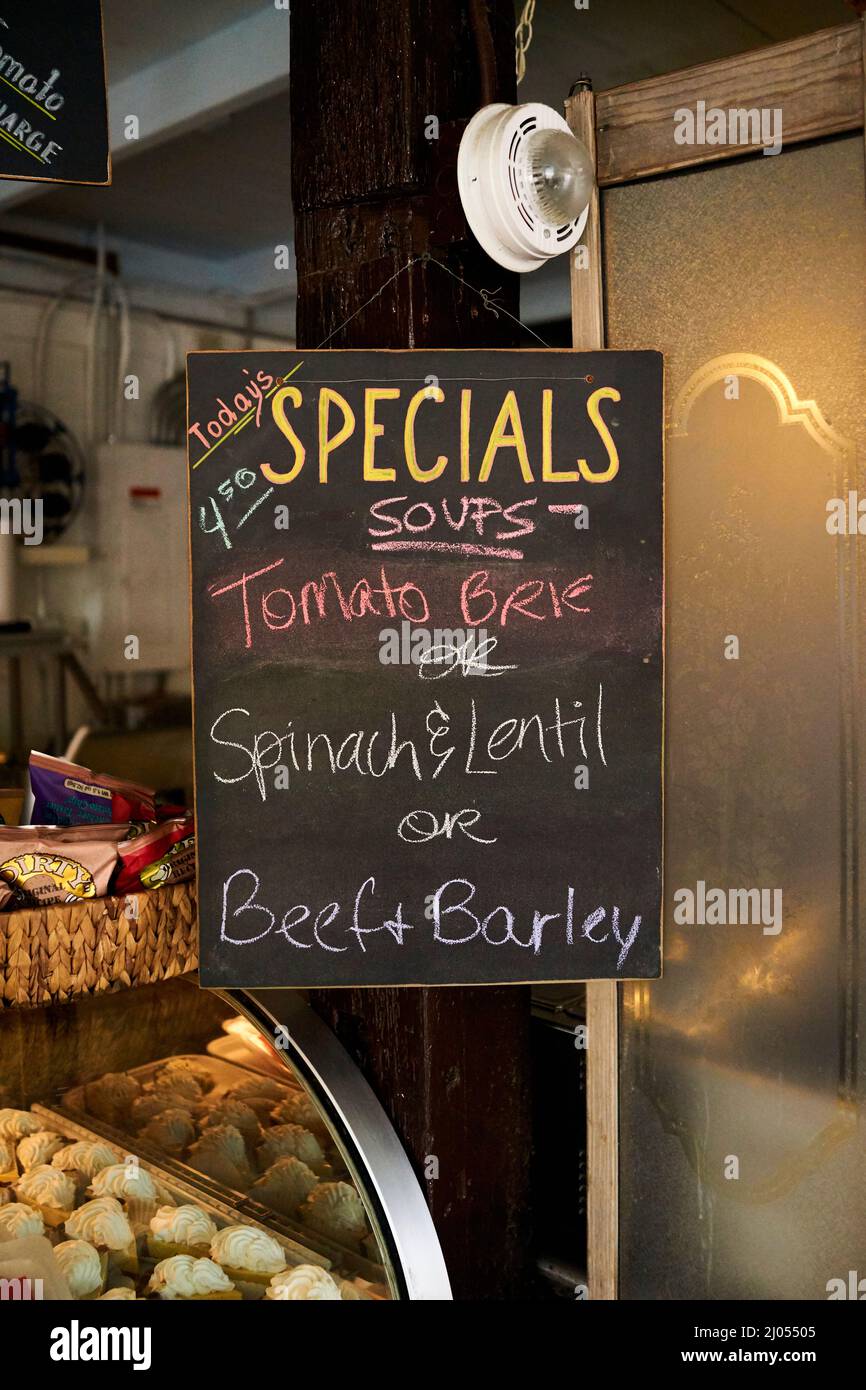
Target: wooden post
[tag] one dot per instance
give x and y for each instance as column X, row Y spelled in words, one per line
column 602, row 1061
column 379, row 95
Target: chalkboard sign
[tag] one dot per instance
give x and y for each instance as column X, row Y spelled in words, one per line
column 427, row 665
column 53, row 108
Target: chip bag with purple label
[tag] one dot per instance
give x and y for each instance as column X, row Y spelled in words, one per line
column 63, row 793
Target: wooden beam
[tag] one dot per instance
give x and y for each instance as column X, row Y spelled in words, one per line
column 602, row 1125
column 587, row 298
column 816, row 81
column 380, row 94
column 602, row 1060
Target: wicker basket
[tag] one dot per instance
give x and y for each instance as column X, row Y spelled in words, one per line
column 51, row 954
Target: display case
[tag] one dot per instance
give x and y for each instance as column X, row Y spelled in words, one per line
column 174, row 1143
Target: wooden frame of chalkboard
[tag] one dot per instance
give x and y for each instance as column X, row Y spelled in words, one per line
column 84, row 157
column 327, row 534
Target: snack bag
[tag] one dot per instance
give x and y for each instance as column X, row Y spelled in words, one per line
column 63, row 793
column 42, row 864
column 159, row 855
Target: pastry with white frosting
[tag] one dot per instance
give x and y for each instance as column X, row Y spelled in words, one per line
column 124, row 1181
column 297, row 1109
column 49, row 1189
column 305, row 1282
column 260, row 1094
column 291, row 1141
column 36, row 1148
column 133, row 1187
column 111, row 1098
column 19, row 1220
column 81, row 1266
column 85, row 1156
column 334, row 1209
column 285, row 1185
column 237, row 1113
column 103, row 1223
column 187, row 1066
column 185, row 1277
column 183, row 1230
column 178, row 1088
column 149, row 1107
column 260, row 1087
column 221, row 1153
column 8, row 1170
column 247, row 1253
column 172, row 1131
column 14, row 1124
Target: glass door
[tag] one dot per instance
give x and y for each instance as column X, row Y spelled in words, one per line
column 741, row 1148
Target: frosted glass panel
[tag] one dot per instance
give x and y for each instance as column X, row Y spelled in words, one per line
column 742, row 1161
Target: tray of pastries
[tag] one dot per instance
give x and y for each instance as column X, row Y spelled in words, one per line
column 189, row 1178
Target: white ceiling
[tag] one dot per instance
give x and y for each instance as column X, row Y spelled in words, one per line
column 138, row 32
column 184, row 195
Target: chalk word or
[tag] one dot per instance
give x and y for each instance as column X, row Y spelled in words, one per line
column 420, row 827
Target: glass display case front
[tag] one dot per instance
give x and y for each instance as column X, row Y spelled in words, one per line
column 174, row 1143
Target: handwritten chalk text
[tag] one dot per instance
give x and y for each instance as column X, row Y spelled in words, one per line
column 455, row 919
column 261, row 608
column 388, row 412
column 456, row 732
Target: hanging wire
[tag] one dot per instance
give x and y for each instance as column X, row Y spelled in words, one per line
column 487, row 297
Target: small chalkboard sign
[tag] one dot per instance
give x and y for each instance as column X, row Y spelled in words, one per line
column 53, row 106
column 427, row 665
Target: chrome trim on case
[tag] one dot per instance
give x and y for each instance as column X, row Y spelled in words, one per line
column 363, row 1133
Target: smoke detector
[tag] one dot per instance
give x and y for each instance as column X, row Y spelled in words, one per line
column 525, row 183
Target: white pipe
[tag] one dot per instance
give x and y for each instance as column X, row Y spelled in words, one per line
column 46, row 318
column 122, row 300
column 92, row 340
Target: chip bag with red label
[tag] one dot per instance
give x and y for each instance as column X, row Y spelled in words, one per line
column 157, row 856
